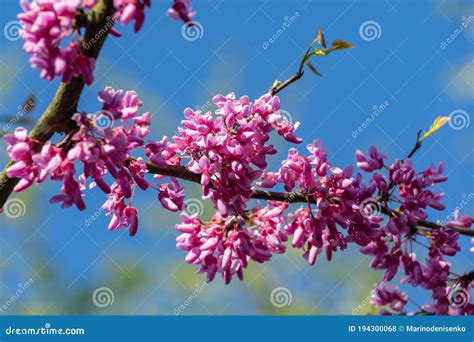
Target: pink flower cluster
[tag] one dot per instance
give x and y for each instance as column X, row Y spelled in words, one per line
column 51, row 31
column 348, row 211
column 229, row 150
column 226, row 151
column 102, row 145
column 226, row 245
column 389, row 295
column 341, row 209
column 45, row 25
column 339, row 201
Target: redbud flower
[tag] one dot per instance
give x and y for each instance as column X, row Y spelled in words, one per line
column 389, row 295
column 374, row 162
column 182, row 9
column 45, row 25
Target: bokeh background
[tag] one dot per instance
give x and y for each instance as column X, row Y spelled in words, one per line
column 58, row 257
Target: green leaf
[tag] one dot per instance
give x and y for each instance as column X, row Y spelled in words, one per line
column 336, row 45
column 313, row 69
column 439, row 122
column 340, row 45
column 319, row 40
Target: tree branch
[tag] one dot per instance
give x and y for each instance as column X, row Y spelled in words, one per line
column 57, row 117
column 183, row 172
column 280, row 86
column 416, row 146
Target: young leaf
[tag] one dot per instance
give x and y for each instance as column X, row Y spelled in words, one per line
column 340, row 45
column 313, row 69
column 318, row 52
column 320, row 38
column 439, row 122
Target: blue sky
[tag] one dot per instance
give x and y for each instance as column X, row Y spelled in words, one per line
column 409, row 68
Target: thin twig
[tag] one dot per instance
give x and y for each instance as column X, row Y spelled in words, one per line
column 416, row 146
column 280, row 86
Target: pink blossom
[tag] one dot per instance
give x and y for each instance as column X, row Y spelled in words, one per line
column 374, row 162
column 182, row 9
column 129, row 10
column 227, row 153
column 171, row 195
column 389, row 295
column 45, row 24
